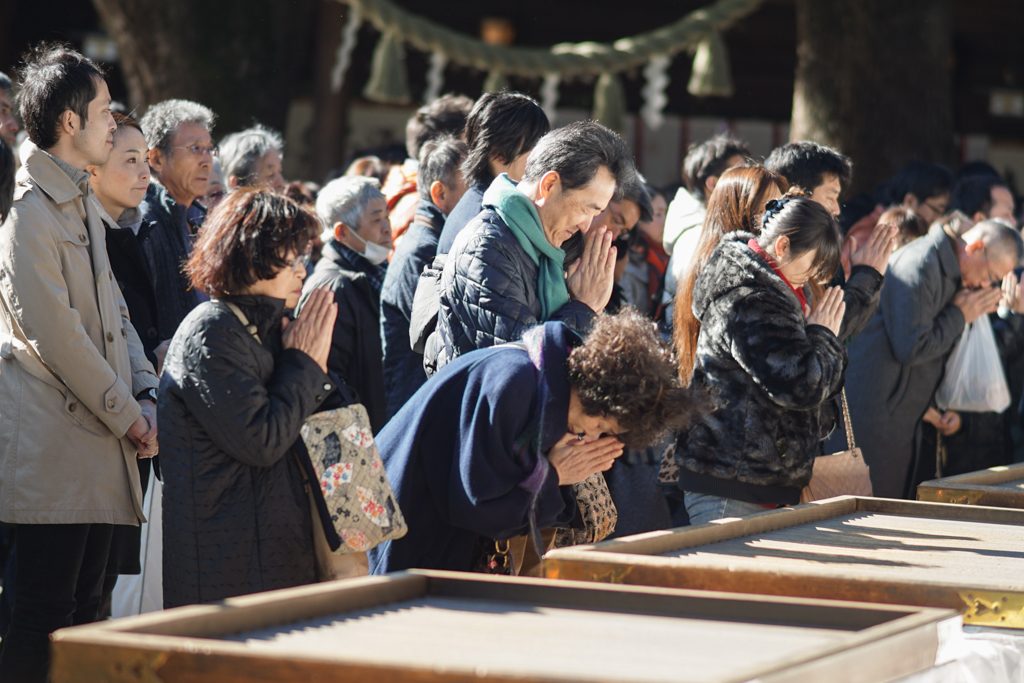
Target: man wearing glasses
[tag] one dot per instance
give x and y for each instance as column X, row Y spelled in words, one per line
column 933, row 287
column 181, row 155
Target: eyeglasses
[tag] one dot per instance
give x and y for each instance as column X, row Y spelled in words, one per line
column 937, row 210
column 199, row 150
column 302, row 261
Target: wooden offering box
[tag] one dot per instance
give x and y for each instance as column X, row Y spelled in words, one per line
column 437, row 626
column 870, row 549
column 996, row 487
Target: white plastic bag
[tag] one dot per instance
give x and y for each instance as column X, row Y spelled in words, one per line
column 141, row 593
column 974, row 380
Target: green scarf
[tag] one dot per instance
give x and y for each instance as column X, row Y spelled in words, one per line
column 521, row 217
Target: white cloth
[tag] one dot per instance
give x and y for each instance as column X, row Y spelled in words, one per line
column 979, row 655
column 141, row 593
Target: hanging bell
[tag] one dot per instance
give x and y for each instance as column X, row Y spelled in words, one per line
column 711, row 76
column 388, row 81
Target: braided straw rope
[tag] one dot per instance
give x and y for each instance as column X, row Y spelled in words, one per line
column 567, row 59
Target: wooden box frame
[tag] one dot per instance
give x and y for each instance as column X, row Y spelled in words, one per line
column 977, row 488
column 634, row 560
column 178, row 645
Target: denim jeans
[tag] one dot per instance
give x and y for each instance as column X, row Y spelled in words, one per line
column 704, row 508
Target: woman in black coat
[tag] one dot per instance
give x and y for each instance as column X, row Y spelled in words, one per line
column 238, row 382
column 491, row 445
column 770, row 364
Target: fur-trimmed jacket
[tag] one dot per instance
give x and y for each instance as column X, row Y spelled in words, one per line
column 769, row 375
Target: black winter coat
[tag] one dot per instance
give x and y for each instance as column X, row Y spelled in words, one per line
column 136, row 283
column 489, row 292
column 355, row 363
column 236, row 516
column 403, row 367
column 770, row 377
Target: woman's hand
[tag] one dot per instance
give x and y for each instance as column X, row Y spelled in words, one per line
column 829, row 311
column 575, row 460
column 311, row 332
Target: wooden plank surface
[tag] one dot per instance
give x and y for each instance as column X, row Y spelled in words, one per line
column 997, row 486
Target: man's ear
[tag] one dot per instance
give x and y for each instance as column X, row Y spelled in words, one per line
column 978, row 217
column 438, row 192
column 232, row 182
column 975, row 246
column 547, row 184
column 69, row 122
column 340, row 231
column 910, row 201
column 155, row 157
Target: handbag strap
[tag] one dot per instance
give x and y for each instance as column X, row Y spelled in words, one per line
column 850, row 442
column 242, row 318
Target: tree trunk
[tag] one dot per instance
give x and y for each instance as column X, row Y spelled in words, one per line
column 874, row 79
column 241, row 58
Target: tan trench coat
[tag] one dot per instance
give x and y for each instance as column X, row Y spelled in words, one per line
column 70, row 361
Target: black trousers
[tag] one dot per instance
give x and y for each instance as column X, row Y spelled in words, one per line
column 60, row 570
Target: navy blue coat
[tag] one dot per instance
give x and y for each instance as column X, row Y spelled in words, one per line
column 489, row 292
column 466, row 455
column 403, row 367
column 465, row 210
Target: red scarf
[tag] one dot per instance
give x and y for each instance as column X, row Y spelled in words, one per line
column 752, row 243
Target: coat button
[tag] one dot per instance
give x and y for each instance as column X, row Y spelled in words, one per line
column 110, row 337
column 71, row 408
column 327, row 387
column 81, row 237
column 111, row 404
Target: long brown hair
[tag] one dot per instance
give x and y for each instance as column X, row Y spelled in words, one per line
column 736, row 203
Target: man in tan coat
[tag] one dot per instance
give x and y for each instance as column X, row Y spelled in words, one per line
column 76, row 391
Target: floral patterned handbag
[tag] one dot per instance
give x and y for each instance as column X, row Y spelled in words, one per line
column 352, row 477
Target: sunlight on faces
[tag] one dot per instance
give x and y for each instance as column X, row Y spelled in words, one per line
column 93, row 139
column 799, row 270
column 981, row 267
column 591, row 426
column 619, row 217
column 563, row 213
column 827, row 194
column 121, row 183
column 287, row 284
column 267, row 172
column 185, row 175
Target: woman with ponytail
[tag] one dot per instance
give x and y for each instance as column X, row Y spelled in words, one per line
column 769, row 363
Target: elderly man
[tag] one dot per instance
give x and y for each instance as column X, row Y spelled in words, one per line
column 506, row 270
column 353, row 265
column 253, row 157
column 934, row 287
column 76, row 390
column 441, row 186
column 181, row 154
column 8, row 122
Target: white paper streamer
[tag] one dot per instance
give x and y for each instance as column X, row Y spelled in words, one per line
column 549, row 96
column 655, row 99
column 344, row 55
column 435, row 77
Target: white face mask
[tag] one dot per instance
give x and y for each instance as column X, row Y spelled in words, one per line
column 372, row 252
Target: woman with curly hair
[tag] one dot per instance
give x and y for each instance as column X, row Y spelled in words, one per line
column 492, row 445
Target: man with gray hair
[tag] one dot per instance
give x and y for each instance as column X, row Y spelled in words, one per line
column 353, row 266
column 253, row 157
column 181, row 154
column 440, row 187
column 506, row 271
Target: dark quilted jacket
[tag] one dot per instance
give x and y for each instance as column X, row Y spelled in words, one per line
column 236, row 517
column 489, row 292
column 770, row 377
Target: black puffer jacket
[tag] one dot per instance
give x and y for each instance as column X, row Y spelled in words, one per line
column 489, row 293
column 770, row 376
column 236, row 518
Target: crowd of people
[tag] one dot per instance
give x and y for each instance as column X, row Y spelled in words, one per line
column 518, row 311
